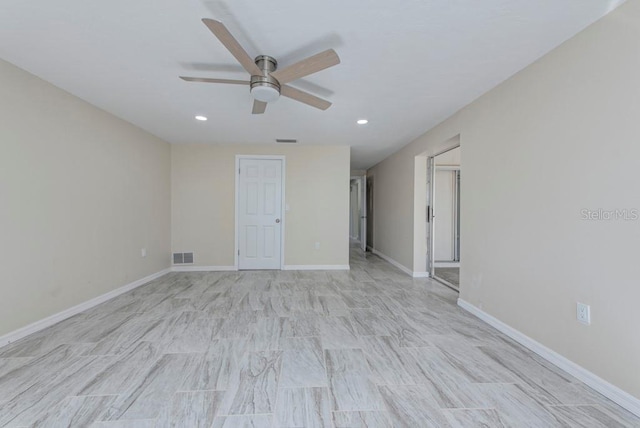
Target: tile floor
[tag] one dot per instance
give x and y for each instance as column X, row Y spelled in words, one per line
column 366, row 348
column 450, row 275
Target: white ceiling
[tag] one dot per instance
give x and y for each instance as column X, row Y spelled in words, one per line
column 406, row 65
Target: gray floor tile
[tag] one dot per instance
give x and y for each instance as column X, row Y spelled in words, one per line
column 361, row 420
column 474, row 418
column 593, row 417
column 75, row 411
column 146, row 396
column 217, row 365
column 388, row 365
column 253, row 384
column 350, row 383
column 412, row 406
column 303, row 363
column 244, row 421
column 127, row 368
column 132, row 423
column 369, row 347
column 303, row 407
column 338, row 333
column 33, row 403
column 193, row 409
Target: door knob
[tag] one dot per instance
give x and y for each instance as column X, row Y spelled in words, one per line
column 277, row 220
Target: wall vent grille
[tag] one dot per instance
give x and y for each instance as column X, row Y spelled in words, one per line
column 182, row 258
column 286, row 140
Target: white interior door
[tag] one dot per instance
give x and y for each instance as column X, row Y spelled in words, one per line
column 259, row 213
column 430, row 216
column 354, row 211
column 363, row 213
column 444, row 215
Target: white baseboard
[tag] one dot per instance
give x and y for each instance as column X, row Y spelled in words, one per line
column 446, row 264
column 612, row 392
column 399, row 266
column 203, row 268
column 67, row 313
column 233, row 268
column 392, row 261
column 421, row 275
column 316, row 267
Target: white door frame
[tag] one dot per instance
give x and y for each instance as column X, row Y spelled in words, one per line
column 282, row 208
column 363, row 213
column 361, row 182
column 455, row 233
column 431, row 203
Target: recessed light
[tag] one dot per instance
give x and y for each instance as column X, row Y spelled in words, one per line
column 202, row 118
column 362, row 121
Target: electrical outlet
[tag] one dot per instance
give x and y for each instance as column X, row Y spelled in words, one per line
column 317, row 245
column 143, row 252
column 583, row 313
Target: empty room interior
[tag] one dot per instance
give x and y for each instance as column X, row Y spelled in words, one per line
column 208, row 219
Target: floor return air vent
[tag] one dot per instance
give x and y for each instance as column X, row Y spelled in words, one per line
column 182, row 258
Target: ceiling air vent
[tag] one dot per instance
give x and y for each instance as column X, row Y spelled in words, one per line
column 286, row 141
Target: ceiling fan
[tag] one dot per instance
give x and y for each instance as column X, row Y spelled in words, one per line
column 268, row 82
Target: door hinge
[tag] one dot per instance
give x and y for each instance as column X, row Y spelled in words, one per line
column 238, row 171
column 238, row 252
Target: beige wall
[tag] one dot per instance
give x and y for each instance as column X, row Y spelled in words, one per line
column 393, row 202
column 81, row 193
column 449, row 158
column 559, row 137
column 317, row 192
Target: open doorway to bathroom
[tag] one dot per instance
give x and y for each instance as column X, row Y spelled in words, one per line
column 444, row 185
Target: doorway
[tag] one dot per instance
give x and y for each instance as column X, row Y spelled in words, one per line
column 368, row 203
column 259, row 220
column 444, row 174
column 358, row 211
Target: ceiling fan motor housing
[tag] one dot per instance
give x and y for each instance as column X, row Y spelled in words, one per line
column 265, row 88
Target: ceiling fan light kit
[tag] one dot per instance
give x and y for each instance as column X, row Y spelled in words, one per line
column 267, row 83
column 265, row 92
column 265, row 88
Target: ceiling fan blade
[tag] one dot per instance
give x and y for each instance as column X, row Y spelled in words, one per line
column 304, row 97
column 258, row 107
column 308, row 66
column 208, row 80
column 220, row 31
